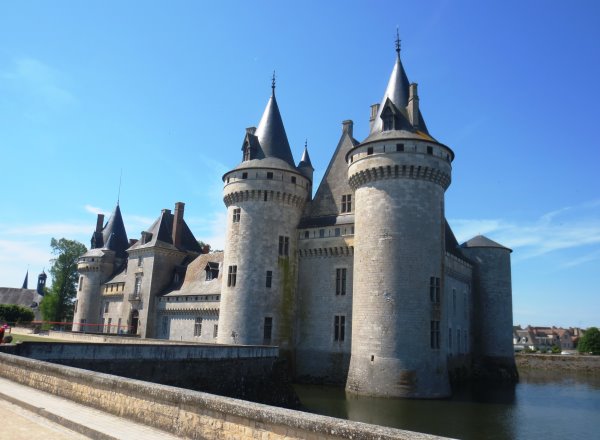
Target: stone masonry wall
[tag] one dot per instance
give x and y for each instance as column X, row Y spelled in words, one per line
column 188, row 414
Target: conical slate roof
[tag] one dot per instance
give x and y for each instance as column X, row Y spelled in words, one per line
column 305, row 161
column 114, row 235
column 481, row 241
column 271, row 133
column 398, row 92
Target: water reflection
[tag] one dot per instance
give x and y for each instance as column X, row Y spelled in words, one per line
column 543, row 405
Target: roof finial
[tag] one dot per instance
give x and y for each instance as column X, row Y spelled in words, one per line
column 306, row 143
column 397, row 41
column 119, row 193
column 273, row 83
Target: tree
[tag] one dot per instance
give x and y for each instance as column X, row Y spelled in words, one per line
column 57, row 304
column 590, row 341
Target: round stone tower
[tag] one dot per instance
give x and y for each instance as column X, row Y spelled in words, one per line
column 399, row 174
column 265, row 196
column 492, row 295
column 107, row 255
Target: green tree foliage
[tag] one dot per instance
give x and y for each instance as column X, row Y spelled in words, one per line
column 590, row 341
column 12, row 314
column 57, row 305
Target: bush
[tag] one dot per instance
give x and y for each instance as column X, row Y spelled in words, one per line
column 555, row 349
column 590, row 341
column 14, row 314
column 543, row 350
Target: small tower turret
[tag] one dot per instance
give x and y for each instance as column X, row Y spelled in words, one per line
column 264, row 195
column 41, row 284
column 306, row 168
column 493, row 353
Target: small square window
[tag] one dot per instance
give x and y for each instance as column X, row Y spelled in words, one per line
column 429, row 150
column 369, row 151
column 244, row 175
column 293, row 178
column 399, row 147
column 269, row 175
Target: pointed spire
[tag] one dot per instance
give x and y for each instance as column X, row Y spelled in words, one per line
column 114, row 235
column 398, row 93
column 25, row 281
column 271, row 132
column 305, row 161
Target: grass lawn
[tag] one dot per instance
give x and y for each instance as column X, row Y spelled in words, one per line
column 32, row 338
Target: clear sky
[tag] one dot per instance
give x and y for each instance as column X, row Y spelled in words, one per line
column 164, row 91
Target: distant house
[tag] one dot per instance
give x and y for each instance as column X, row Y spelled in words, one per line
column 538, row 338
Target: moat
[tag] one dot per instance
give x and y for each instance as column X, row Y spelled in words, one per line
column 543, row 405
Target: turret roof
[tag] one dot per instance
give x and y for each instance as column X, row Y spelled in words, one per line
column 271, row 133
column 481, row 241
column 305, row 161
column 114, row 235
column 161, row 234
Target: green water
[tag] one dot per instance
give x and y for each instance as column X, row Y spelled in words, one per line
column 543, row 405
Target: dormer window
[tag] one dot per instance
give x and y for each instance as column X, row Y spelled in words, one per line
column 211, row 270
column 388, row 119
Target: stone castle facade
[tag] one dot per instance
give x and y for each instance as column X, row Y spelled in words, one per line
column 364, row 284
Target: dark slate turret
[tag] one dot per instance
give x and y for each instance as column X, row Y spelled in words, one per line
column 41, row 283
column 25, row 281
column 271, row 134
column 114, row 236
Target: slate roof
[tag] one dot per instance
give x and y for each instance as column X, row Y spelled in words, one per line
column 481, row 241
column 161, row 235
column 305, row 161
column 195, row 282
column 21, row 297
column 397, row 92
column 113, row 236
column 271, row 134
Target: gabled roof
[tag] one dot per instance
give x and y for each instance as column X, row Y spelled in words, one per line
column 271, row 133
column 114, row 236
column 481, row 241
column 161, row 233
column 20, row 297
column 195, row 282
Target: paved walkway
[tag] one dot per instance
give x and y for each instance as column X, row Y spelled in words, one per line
column 88, row 421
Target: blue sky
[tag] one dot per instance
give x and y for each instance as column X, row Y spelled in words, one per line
column 164, row 91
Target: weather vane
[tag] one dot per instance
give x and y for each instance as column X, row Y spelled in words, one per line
column 273, row 82
column 397, row 41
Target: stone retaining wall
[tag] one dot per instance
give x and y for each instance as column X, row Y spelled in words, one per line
column 188, row 414
column 583, row 363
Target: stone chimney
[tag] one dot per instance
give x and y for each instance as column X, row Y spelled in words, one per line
column 99, row 222
column 348, row 127
column 178, row 224
column 251, row 130
column 374, row 111
column 413, row 106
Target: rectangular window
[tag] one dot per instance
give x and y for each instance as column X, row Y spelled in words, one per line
column 109, row 329
column 236, row 215
column 269, row 175
column 268, row 328
column 306, row 234
column 293, row 178
column 347, row 203
column 340, row 281
column 269, row 279
column 244, row 175
column 284, row 246
column 119, row 331
column 321, row 233
column 399, row 147
column 231, row 276
column 106, row 307
column 370, row 150
column 435, row 335
column 215, row 330
column 454, row 301
column 434, row 289
column 198, row 327
column 140, row 261
column 138, row 286
column 337, row 232
column 429, row 150
column 339, row 328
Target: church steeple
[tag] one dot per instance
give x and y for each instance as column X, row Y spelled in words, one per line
column 271, row 132
column 25, row 281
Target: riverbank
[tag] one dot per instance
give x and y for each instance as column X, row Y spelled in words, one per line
column 581, row 363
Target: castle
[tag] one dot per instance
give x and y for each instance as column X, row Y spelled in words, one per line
column 364, row 284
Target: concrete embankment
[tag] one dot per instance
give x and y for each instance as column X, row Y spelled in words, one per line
column 185, row 413
column 582, row 363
